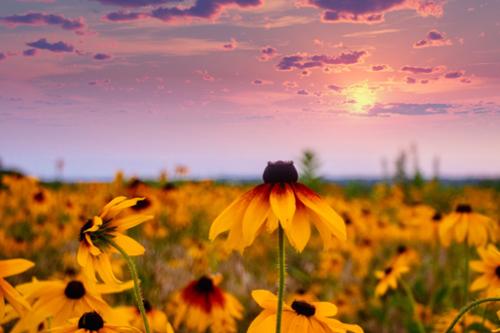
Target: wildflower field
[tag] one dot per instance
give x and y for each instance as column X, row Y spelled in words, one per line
column 292, row 253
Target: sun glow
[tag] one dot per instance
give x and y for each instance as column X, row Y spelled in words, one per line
column 360, row 97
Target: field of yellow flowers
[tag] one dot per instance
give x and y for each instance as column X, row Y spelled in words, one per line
column 284, row 255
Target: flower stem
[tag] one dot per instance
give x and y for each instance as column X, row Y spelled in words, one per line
column 282, row 273
column 468, row 307
column 137, row 282
column 413, row 303
column 466, row 272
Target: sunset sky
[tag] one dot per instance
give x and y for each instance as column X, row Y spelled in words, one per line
column 223, row 86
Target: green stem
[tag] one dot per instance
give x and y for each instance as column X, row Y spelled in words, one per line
column 466, row 272
column 468, row 307
column 411, row 298
column 282, row 273
column 137, row 282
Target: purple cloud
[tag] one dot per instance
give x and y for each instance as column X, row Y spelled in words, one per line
column 302, row 92
column 29, row 52
column 454, row 75
column 57, row 47
column 45, row 19
column 410, row 109
column 419, row 70
column 410, row 80
column 136, row 3
column 433, row 38
column 379, row 68
column 334, row 88
column 2, row 56
column 372, row 11
column 102, row 56
column 267, row 53
column 302, row 62
column 124, row 16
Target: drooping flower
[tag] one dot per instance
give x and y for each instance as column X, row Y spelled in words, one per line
column 300, row 316
column 489, row 267
column 281, row 200
column 465, row 225
column 8, row 268
column 97, row 235
column 202, row 304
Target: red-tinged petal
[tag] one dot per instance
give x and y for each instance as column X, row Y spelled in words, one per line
column 329, row 218
column 256, row 213
column 282, row 201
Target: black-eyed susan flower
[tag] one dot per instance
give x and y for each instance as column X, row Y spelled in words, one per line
column 489, row 267
column 91, row 322
column 202, row 304
column 62, row 300
column 388, row 278
column 157, row 318
column 281, row 200
column 98, row 233
column 465, row 225
column 8, row 268
column 300, row 316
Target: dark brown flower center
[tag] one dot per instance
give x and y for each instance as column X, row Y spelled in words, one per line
column 147, row 305
column 87, row 225
column 142, row 204
column 303, row 308
column 91, row 321
column 74, row 290
column 463, row 208
column 437, row 217
column 205, row 285
column 402, row 249
column 280, row 172
column 39, row 197
column 388, row 270
column 497, row 271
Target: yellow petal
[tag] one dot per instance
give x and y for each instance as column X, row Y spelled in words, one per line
column 256, row 213
column 325, row 309
column 14, row 266
column 129, row 245
column 265, row 299
column 282, row 201
column 231, row 215
column 128, row 222
column 299, row 231
column 14, row 297
column 264, row 323
column 329, row 218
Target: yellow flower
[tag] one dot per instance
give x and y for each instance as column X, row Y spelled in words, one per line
column 63, row 300
column 280, row 200
column 301, row 316
column 388, row 278
column 91, row 322
column 466, row 225
column 8, row 268
column 98, row 233
column 489, row 267
column 202, row 304
column 156, row 318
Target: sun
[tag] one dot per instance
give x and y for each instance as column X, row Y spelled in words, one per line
column 360, row 97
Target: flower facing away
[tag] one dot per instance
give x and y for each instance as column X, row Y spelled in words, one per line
column 93, row 322
column 8, row 268
column 156, row 318
column 202, row 304
column 280, row 200
column 109, row 227
column 62, row 300
column 489, row 267
column 465, row 225
column 300, row 316
column 388, row 278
